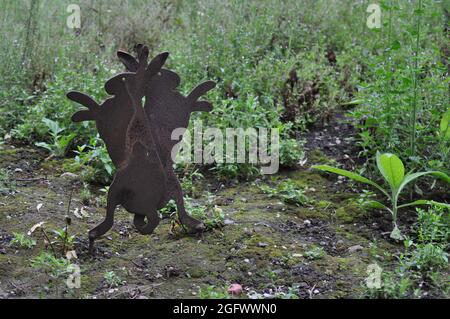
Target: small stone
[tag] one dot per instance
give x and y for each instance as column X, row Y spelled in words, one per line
column 307, row 222
column 355, row 248
column 18, row 170
column 228, row 222
column 261, row 244
column 69, row 175
column 235, row 289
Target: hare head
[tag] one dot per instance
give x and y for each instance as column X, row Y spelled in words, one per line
column 139, row 76
column 163, row 102
column 113, row 116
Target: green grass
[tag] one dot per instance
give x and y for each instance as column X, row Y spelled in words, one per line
column 423, row 265
column 248, row 48
column 251, row 48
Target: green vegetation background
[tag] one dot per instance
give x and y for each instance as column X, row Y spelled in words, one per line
column 252, row 48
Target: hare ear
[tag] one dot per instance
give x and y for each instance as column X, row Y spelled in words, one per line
column 113, row 85
column 143, row 56
column 202, row 106
column 82, row 99
column 128, row 60
column 156, row 64
column 201, row 89
column 81, row 116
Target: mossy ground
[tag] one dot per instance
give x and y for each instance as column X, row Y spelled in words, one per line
column 262, row 246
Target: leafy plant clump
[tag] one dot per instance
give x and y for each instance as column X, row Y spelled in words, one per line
column 288, row 192
column 393, row 172
column 50, row 264
column 22, row 240
column 213, row 292
column 59, row 143
column 424, row 262
column 112, row 279
column 211, row 216
column 315, row 253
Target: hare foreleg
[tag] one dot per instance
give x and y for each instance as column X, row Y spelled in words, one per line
column 106, row 225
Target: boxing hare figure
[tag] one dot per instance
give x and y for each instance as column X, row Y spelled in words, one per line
column 138, row 143
column 168, row 110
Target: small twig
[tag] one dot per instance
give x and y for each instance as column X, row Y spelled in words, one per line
column 70, row 201
column 311, row 291
column 67, row 223
column 49, row 241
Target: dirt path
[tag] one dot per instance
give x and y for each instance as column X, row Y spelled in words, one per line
column 321, row 249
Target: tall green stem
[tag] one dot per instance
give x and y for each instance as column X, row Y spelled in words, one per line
column 414, row 113
column 388, row 57
column 394, row 209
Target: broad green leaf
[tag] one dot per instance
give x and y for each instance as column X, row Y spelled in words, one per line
column 445, row 125
column 44, row 145
column 410, row 177
column 395, row 45
column 65, row 140
column 353, row 102
column 109, row 169
column 425, row 202
column 349, row 174
column 53, row 126
column 392, row 169
column 375, row 205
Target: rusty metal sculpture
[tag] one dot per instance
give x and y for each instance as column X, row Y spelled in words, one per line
column 138, row 139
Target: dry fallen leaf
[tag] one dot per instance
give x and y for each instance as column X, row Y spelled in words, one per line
column 71, row 254
column 77, row 215
column 83, row 212
column 36, row 226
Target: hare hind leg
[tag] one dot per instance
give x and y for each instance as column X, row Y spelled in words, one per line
column 146, row 227
column 176, row 192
